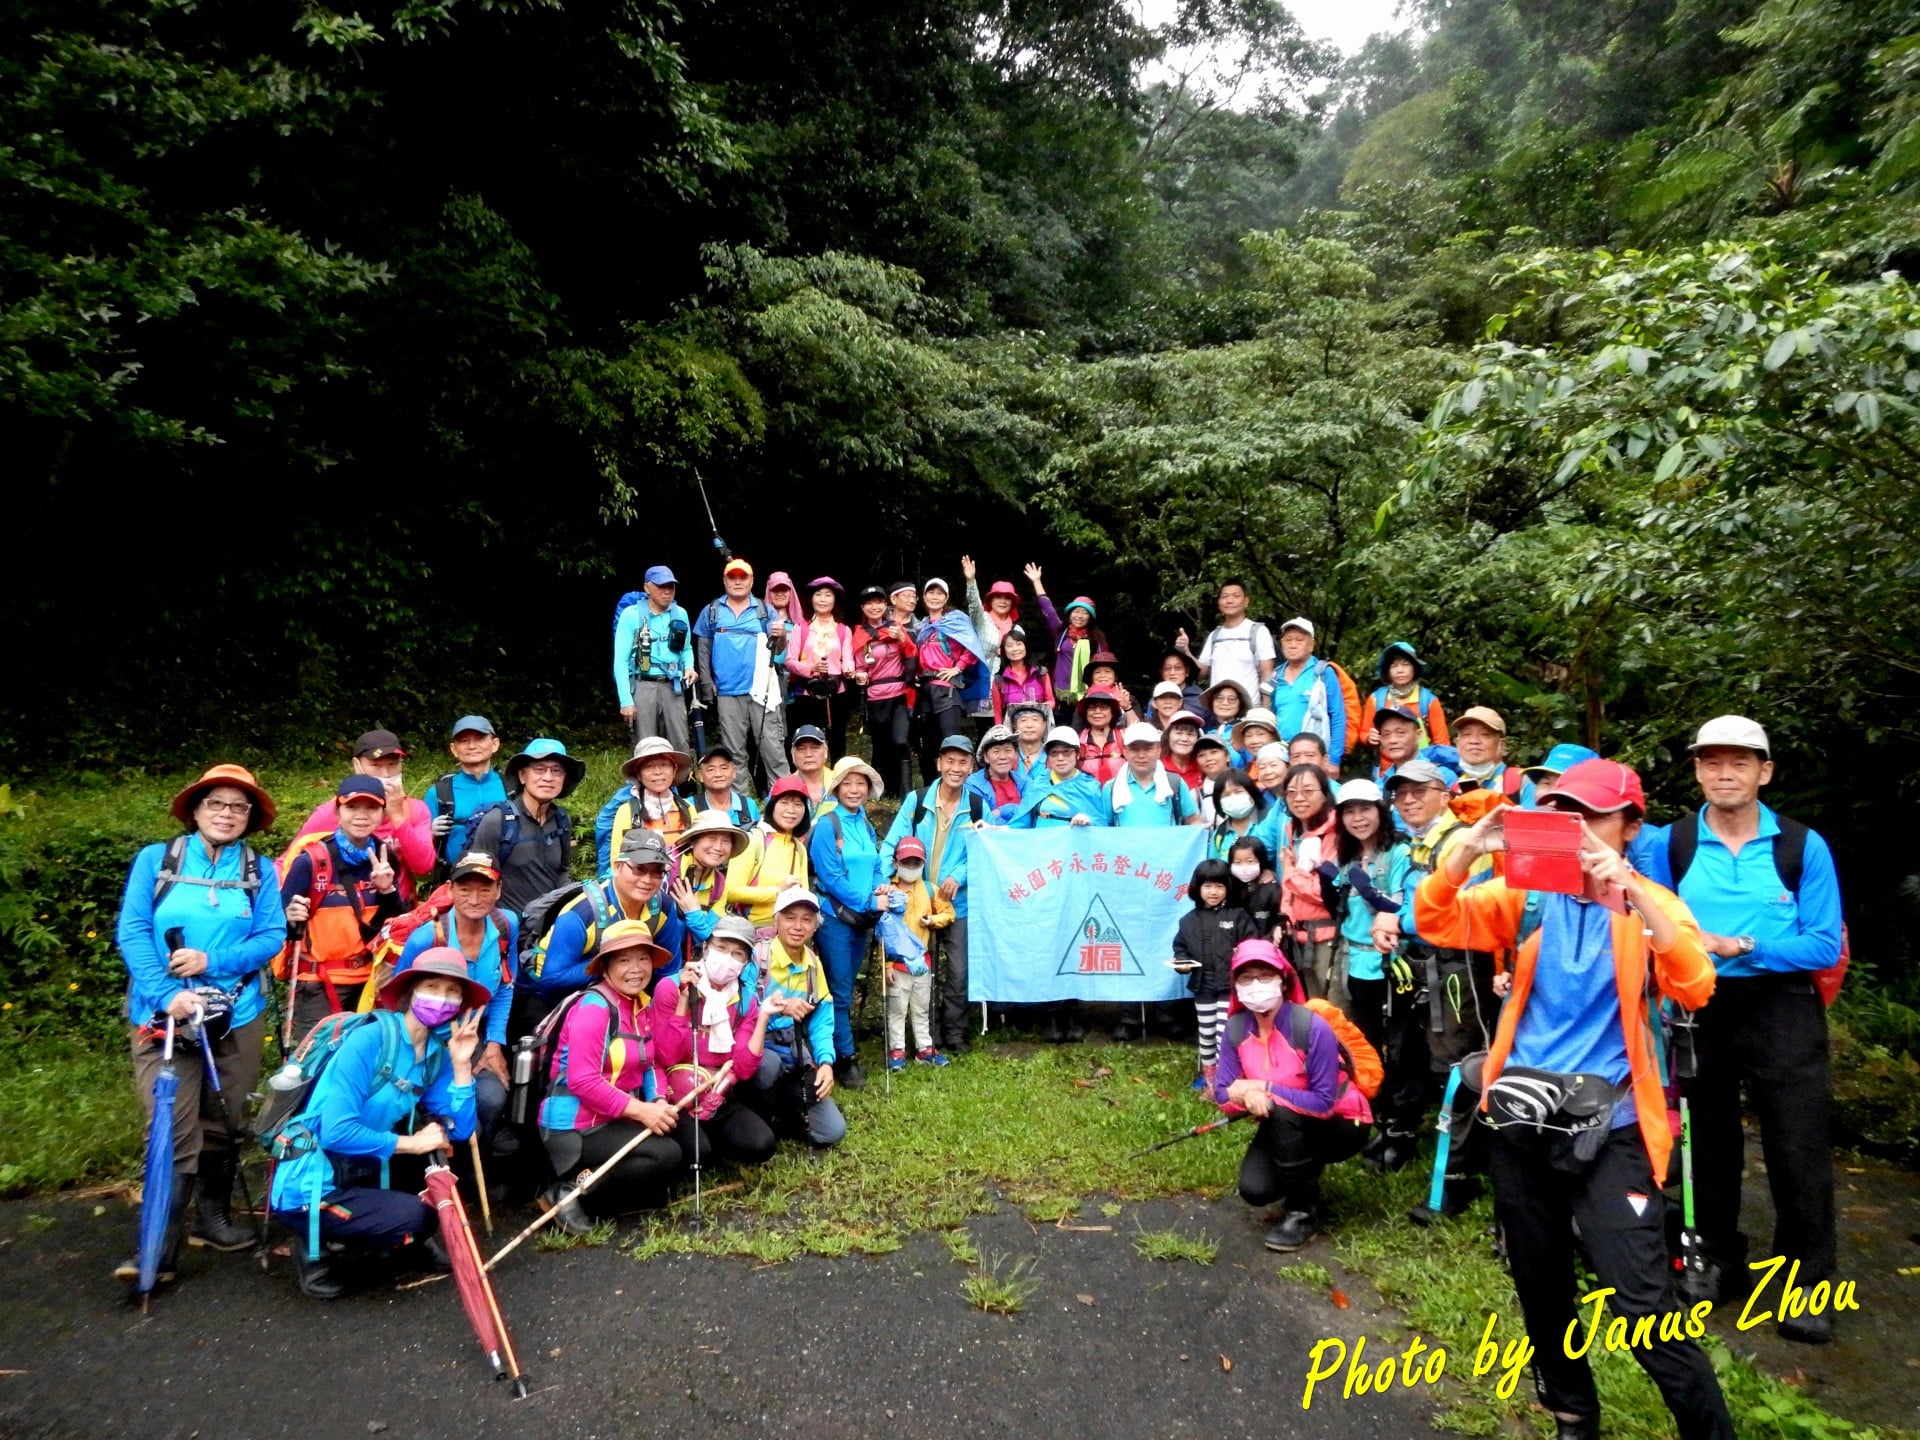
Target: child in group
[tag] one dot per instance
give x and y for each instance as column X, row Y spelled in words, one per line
column 917, row 910
column 1203, row 952
column 1247, row 860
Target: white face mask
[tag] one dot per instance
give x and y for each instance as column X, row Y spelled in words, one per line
column 911, row 874
column 722, row 970
column 1236, row 806
column 1246, row 872
column 1260, row 996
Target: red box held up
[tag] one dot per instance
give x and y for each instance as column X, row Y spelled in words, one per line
column 1543, row 851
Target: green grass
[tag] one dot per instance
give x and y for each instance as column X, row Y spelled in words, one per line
column 1000, row 1288
column 554, row 1238
column 1176, row 1244
column 961, row 1247
column 70, row 1116
column 1308, row 1273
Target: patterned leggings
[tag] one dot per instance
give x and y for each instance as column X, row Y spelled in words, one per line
column 1212, row 1015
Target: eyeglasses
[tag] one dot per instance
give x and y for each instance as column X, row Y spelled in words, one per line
column 547, row 771
column 1304, row 788
column 228, row 807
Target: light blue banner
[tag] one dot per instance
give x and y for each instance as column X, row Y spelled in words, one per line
column 1082, row 912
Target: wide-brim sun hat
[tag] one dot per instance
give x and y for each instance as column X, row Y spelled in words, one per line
column 1558, row 760
column 656, row 747
column 996, row 735
column 627, row 935
column 854, row 765
column 238, row 776
column 713, row 822
column 546, row 748
column 443, row 961
column 1259, row 715
column 1094, row 696
column 1397, row 647
column 1206, row 695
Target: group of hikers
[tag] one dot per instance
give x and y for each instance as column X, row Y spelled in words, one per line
column 1361, row 967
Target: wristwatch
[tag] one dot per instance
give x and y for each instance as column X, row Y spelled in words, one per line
column 1745, row 942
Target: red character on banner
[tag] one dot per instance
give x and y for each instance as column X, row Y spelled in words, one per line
column 1054, row 868
column 1099, row 862
column 1017, row 893
column 1079, row 866
column 1163, row 882
column 1037, row 879
column 1121, row 864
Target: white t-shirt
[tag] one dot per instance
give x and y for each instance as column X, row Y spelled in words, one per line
column 1234, row 652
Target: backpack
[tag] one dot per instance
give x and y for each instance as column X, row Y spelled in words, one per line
column 283, row 1128
column 320, row 855
column 976, row 811
column 537, row 919
column 1789, row 860
column 170, row 875
column 1349, row 697
column 393, row 937
column 1359, row 1061
column 510, row 830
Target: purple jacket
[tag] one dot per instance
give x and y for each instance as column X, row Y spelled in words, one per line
column 1063, row 654
column 1322, row 1066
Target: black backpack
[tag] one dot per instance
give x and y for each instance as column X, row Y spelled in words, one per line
column 1789, row 849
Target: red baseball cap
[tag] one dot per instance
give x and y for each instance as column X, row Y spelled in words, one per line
column 1602, row 786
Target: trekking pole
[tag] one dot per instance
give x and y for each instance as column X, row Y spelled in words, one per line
column 886, row 1026
column 718, row 543
column 586, row 1179
column 298, row 933
column 1196, row 1131
column 480, row 1181
column 699, row 1218
column 1443, row 1147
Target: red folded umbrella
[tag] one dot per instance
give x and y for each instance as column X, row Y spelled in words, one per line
column 476, row 1291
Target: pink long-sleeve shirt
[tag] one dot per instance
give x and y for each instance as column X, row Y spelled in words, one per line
column 603, row 1089
column 673, row 1036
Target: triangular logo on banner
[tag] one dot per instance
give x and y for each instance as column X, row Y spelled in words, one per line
column 1099, row 947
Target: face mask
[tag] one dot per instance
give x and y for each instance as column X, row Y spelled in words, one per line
column 433, row 1013
column 1236, row 806
column 912, row 873
column 1260, row 996
column 722, row 970
column 1246, row 872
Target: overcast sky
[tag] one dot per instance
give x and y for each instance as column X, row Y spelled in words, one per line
column 1347, row 23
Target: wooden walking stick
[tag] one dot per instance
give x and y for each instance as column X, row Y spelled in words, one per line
column 586, row 1179
column 480, row 1182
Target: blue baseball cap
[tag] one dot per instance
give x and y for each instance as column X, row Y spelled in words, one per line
column 659, row 575
column 479, row 724
column 1559, row 760
column 360, row 787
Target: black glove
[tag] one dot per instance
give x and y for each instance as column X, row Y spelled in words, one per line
column 1327, row 870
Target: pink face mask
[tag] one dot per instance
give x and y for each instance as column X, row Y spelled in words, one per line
column 722, row 970
column 433, row 1012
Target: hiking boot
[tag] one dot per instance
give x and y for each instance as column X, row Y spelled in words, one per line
column 213, row 1222
column 1370, row 1152
column 1456, row 1197
column 506, row 1142
column 168, row 1270
column 848, row 1075
column 1293, row 1231
column 316, row 1277
column 930, row 1056
column 896, row 1060
column 1127, row 1030
column 571, row 1218
column 1808, row 1329
column 1580, row 1427
column 1200, row 1085
column 434, row 1256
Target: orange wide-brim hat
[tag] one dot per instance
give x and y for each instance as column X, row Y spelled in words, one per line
column 237, row 776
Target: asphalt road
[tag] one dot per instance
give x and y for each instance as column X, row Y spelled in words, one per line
column 687, row 1346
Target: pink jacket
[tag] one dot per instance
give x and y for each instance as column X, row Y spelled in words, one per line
column 802, row 656
column 412, row 841
column 674, row 1035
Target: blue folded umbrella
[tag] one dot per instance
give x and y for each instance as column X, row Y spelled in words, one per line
column 156, row 1196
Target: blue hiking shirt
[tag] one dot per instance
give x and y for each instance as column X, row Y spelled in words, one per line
column 1142, row 809
column 845, row 860
column 352, row 1119
column 469, row 795
column 486, row 969
column 240, row 935
column 558, row 964
column 1743, row 895
column 953, row 855
column 1291, row 699
column 663, row 661
column 1572, row 1018
column 1055, row 802
column 1387, row 871
column 734, row 642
